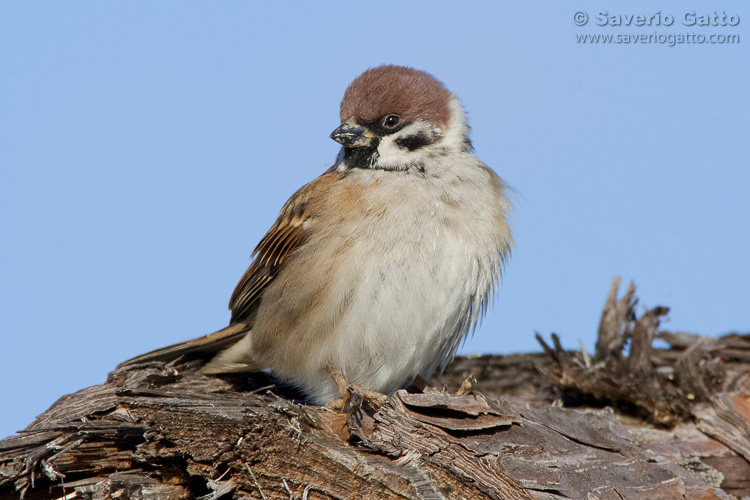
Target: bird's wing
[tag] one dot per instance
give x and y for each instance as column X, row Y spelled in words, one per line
column 287, row 233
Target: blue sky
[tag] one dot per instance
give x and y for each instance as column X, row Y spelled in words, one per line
column 145, row 148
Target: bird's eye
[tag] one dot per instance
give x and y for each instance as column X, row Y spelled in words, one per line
column 391, row 121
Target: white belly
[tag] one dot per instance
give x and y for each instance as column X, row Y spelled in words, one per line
column 402, row 293
column 407, row 316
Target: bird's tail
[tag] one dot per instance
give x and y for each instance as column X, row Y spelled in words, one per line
column 206, row 345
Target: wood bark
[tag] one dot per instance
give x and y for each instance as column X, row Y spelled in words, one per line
column 628, row 421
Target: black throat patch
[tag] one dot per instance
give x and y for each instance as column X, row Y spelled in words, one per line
column 362, row 157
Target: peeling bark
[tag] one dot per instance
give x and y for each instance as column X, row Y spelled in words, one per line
column 533, row 426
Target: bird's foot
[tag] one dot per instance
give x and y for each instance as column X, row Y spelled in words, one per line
column 345, row 390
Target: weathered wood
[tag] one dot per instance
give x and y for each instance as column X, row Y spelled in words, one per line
column 679, row 427
column 661, row 384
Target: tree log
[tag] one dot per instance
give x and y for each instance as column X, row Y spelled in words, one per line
column 627, row 422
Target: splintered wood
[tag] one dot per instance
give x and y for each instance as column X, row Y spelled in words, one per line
column 626, row 422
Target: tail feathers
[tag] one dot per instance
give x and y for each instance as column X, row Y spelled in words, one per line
column 236, row 358
column 207, row 344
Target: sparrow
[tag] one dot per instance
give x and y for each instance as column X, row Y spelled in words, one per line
column 374, row 272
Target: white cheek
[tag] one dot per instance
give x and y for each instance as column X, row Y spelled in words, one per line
column 390, row 155
column 452, row 140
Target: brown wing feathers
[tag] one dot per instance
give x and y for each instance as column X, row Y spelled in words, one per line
column 285, row 235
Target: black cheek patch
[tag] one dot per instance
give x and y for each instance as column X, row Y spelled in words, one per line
column 414, row 142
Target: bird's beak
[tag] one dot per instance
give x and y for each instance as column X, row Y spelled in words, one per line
column 351, row 135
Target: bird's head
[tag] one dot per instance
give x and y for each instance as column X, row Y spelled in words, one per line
column 399, row 118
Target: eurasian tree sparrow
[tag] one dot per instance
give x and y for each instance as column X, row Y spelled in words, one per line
column 375, row 271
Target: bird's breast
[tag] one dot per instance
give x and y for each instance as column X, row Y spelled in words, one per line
column 383, row 287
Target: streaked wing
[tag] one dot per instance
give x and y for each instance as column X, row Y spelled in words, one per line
column 284, row 236
column 269, row 256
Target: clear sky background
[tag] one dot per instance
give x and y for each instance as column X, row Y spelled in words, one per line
column 146, row 147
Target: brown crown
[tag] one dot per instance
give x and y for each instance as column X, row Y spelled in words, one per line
column 407, row 92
